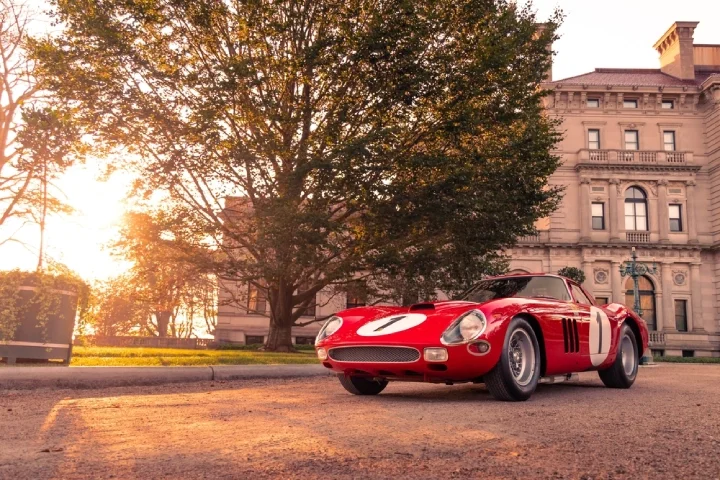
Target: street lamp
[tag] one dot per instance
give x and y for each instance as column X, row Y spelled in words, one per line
column 636, row 269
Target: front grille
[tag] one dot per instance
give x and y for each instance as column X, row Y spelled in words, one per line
column 374, row 354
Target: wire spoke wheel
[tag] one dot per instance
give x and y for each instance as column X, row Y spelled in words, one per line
column 521, row 357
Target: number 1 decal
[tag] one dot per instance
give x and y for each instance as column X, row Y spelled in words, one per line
column 599, row 346
column 391, row 324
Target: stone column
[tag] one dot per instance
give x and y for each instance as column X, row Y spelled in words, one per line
column 695, row 321
column 667, row 306
column 617, row 284
column 663, row 212
column 613, row 202
column 585, row 212
column 589, row 277
column 691, row 217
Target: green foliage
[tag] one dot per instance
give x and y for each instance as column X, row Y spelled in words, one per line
column 687, row 359
column 43, row 299
column 573, row 273
column 309, row 141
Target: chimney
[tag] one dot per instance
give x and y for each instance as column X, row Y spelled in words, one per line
column 540, row 29
column 676, row 50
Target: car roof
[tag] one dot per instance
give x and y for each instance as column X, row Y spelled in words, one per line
column 513, row 275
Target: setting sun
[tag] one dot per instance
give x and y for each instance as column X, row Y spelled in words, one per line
column 78, row 240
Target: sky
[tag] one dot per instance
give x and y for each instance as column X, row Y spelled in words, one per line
column 612, row 33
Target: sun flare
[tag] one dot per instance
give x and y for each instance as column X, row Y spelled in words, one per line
column 79, row 240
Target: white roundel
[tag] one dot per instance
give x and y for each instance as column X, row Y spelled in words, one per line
column 599, row 336
column 391, row 324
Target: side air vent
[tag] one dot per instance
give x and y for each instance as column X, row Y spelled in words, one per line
column 570, row 335
column 422, row 306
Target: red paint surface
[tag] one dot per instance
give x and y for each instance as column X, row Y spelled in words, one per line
column 461, row 364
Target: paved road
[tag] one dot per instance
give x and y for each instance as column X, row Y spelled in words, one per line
column 666, row 426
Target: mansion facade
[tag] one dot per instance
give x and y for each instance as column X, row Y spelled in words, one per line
column 641, row 168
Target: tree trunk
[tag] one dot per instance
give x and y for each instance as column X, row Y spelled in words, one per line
column 279, row 338
column 163, row 320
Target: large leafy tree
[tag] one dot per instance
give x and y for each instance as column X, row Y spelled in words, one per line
column 311, row 140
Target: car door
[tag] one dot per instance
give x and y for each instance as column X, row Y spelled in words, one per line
column 559, row 317
column 594, row 329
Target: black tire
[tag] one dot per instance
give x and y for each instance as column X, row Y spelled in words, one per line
column 502, row 383
column 362, row 386
column 618, row 376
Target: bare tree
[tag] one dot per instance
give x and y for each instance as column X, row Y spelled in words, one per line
column 38, row 140
column 17, row 88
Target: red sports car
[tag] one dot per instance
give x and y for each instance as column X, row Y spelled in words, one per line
column 507, row 332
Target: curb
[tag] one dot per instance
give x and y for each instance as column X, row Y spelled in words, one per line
column 31, row 378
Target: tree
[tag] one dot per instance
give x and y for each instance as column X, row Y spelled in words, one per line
column 114, row 309
column 37, row 139
column 573, row 273
column 171, row 278
column 313, row 140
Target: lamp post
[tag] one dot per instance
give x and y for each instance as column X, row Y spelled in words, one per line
column 636, row 269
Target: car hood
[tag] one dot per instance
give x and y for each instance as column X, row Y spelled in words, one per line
column 420, row 323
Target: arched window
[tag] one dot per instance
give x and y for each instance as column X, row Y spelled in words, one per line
column 647, row 299
column 636, row 217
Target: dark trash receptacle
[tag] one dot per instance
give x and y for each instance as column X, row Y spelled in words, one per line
column 34, row 341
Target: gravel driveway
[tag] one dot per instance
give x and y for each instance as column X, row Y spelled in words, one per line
column 666, row 426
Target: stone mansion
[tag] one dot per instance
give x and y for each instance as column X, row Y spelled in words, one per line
column 641, row 169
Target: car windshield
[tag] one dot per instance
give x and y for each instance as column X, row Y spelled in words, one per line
column 524, row 287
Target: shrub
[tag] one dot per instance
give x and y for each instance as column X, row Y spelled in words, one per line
column 572, row 273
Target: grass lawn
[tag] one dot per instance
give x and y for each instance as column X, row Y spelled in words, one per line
column 687, row 359
column 131, row 357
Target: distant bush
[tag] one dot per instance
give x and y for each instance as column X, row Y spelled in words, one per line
column 687, row 359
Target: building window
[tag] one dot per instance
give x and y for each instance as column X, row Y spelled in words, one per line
column 669, row 141
column 668, row 104
column 681, row 315
column 310, row 310
column 594, row 139
column 593, row 103
column 602, row 300
column 688, row 353
column 257, row 300
column 598, row 216
column 676, row 218
column 630, row 104
column 635, row 210
column 631, row 140
column 647, row 299
column 254, row 340
column 304, row 340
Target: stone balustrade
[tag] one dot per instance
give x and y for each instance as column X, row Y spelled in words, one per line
column 638, row 237
column 639, row 157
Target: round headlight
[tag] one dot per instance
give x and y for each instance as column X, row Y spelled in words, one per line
column 467, row 327
column 332, row 325
column 471, row 326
